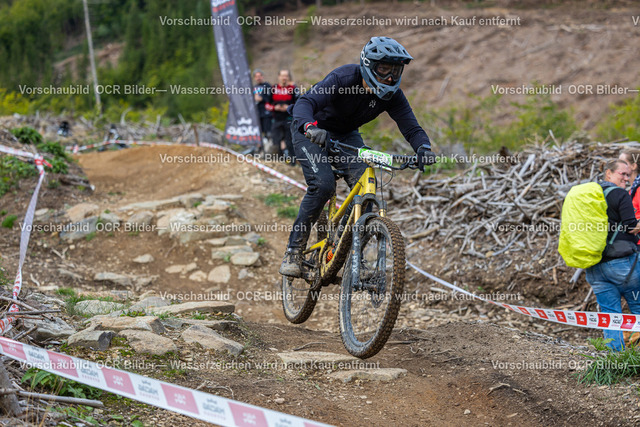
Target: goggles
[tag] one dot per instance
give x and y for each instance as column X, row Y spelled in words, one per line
column 384, row 70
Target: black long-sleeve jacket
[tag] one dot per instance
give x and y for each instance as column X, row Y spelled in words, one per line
column 341, row 104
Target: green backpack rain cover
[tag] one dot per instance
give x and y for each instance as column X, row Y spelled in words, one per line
column 584, row 225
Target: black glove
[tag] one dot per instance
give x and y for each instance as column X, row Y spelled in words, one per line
column 425, row 156
column 316, row 135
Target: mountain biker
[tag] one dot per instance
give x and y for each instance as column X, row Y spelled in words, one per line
column 347, row 98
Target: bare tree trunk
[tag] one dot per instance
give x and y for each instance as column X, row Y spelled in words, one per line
column 318, row 4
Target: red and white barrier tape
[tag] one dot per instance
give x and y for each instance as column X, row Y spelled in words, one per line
column 585, row 319
column 6, row 323
column 193, row 403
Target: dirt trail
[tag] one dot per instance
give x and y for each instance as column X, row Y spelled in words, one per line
column 452, row 368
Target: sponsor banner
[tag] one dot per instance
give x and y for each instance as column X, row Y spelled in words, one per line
column 243, row 125
column 585, row 319
column 193, row 403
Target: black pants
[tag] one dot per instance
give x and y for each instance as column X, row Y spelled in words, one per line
column 265, row 124
column 280, row 129
column 316, row 165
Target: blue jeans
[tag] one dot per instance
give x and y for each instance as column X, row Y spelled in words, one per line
column 609, row 283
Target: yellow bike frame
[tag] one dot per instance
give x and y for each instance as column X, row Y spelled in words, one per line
column 365, row 185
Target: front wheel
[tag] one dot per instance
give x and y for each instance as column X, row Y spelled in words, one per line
column 369, row 305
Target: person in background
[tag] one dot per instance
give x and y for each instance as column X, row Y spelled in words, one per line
column 632, row 157
column 262, row 96
column 283, row 95
column 613, row 278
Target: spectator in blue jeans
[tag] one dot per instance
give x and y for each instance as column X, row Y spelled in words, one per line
column 616, row 276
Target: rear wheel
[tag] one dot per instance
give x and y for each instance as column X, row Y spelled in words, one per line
column 369, row 305
column 299, row 295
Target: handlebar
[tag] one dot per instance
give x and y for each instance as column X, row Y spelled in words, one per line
column 407, row 162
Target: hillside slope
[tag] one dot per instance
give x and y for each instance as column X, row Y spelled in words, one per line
column 455, row 56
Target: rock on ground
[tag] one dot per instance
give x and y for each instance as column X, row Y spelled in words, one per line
column 220, row 274
column 381, row 374
column 92, row 339
column 245, row 258
column 115, row 278
column 81, row 211
column 200, row 306
column 148, row 342
column 143, row 323
column 143, row 259
column 96, row 307
column 229, row 251
column 198, row 276
column 142, row 218
column 210, row 339
column 79, row 230
column 149, row 302
column 46, row 329
column 182, row 269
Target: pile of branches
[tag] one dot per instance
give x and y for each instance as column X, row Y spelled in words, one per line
column 494, row 209
column 16, row 403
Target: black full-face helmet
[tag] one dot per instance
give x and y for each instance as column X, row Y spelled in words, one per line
column 382, row 61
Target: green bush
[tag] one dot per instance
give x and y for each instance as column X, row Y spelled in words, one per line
column 622, row 121
column 535, row 118
column 472, row 123
column 8, row 221
column 302, row 32
column 58, row 165
column 27, row 135
column 54, row 148
column 13, row 170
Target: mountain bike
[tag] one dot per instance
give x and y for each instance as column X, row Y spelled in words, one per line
column 359, row 236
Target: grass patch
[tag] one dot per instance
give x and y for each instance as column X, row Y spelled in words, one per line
column 199, row 316
column 9, row 221
column 286, row 206
column 278, row 199
column 288, row 212
column 133, row 313
column 611, row 367
column 50, row 382
column 68, row 292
